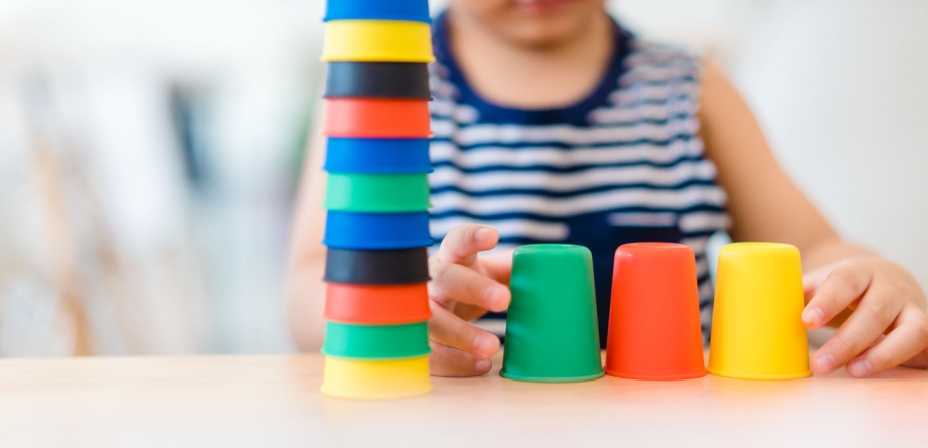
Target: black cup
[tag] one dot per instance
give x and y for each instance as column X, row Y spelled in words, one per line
column 401, row 80
column 377, row 267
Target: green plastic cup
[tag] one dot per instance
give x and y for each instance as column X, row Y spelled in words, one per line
column 377, row 193
column 552, row 334
column 376, row 341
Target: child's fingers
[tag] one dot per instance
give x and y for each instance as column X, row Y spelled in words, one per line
column 446, row 361
column 812, row 280
column 459, row 283
column 904, row 343
column 875, row 313
column 845, row 284
column 448, row 329
column 462, row 243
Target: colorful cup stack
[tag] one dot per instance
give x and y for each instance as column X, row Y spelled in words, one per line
column 377, row 198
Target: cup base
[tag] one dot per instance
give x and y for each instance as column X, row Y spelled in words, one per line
column 677, row 376
column 547, row 379
column 375, row 379
column 379, row 395
column 752, row 376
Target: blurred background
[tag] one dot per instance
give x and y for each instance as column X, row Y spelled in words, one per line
column 150, row 150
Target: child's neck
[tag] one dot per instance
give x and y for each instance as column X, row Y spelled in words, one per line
column 521, row 76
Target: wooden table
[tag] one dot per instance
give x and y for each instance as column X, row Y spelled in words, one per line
column 274, row 401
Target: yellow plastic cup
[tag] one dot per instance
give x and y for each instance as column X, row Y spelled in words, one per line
column 757, row 329
column 371, row 380
column 377, row 41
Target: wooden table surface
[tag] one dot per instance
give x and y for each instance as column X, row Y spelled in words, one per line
column 274, row 401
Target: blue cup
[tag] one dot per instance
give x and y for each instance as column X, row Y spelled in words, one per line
column 377, row 231
column 407, row 10
column 377, row 156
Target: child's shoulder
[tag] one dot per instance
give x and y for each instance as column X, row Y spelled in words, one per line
column 647, row 56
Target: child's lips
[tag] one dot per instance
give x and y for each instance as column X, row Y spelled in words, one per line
column 542, row 6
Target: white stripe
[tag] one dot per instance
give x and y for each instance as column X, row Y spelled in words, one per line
column 634, row 113
column 509, row 228
column 706, row 291
column 679, row 69
column 702, row 268
column 653, row 93
column 649, row 53
column 702, row 221
column 660, row 219
column 460, row 113
column 495, row 326
column 570, row 135
column 565, row 182
column 561, row 157
column 705, row 317
column 560, row 207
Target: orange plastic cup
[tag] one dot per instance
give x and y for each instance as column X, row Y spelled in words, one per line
column 376, row 305
column 377, row 118
column 654, row 326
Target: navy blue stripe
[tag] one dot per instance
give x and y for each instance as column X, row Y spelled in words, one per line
column 676, row 138
column 564, row 169
column 570, row 193
column 675, row 116
column 488, row 217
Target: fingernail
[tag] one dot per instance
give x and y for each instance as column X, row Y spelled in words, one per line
column 483, row 366
column 482, row 234
column 486, row 345
column 860, row 368
column 825, row 363
column 813, row 316
column 495, row 297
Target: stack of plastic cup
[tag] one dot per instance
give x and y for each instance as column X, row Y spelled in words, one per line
column 377, row 198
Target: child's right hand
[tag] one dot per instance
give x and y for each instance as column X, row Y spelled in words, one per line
column 465, row 286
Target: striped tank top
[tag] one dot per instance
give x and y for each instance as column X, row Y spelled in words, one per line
column 625, row 164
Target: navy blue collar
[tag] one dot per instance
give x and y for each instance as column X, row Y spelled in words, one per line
column 575, row 114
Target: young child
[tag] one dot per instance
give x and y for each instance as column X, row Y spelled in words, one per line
column 554, row 124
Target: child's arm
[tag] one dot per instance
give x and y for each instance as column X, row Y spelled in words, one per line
column 766, row 206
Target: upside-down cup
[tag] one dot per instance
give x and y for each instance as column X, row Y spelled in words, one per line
column 654, row 326
column 377, row 156
column 377, row 267
column 376, row 341
column 377, row 231
column 552, row 334
column 376, row 304
column 376, row 118
column 757, row 329
column 408, row 10
column 349, row 79
column 376, row 379
column 377, row 41
column 377, row 193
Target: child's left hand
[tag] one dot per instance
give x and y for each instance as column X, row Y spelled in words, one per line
column 888, row 325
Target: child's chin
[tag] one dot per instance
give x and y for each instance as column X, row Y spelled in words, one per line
column 546, row 33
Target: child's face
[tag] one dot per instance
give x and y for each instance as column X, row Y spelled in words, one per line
column 536, row 23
